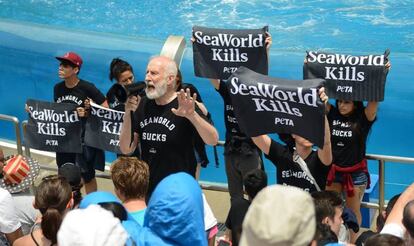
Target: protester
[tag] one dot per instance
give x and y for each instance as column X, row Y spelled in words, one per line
column 174, row 214
column 254, row 181
column 350, row 124
column 10, row 226
column 20, row 189
column 166, row 122
column 240, row 153
column 131, row 178
column 53, row 199
column 91, row 226
column 289, row 170
column 78, row 91
column 279, row 215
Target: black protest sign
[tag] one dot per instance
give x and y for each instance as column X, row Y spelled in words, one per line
column 103, row 128
column 265, row 105
column 355, row 78
column 53, row 127
column 219, row 52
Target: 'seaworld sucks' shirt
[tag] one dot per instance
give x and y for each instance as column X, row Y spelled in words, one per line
column 78, row 94
column 290, row 173
column 166, row 139
column 348, row 137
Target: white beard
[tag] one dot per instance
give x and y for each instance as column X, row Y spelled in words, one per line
column 158, row 91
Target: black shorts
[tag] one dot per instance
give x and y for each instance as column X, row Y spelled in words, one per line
column 88, row 161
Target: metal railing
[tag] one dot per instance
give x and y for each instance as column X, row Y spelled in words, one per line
column 16, row 124
column 222, row 188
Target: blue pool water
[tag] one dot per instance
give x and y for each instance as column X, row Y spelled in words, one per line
column 33, row 32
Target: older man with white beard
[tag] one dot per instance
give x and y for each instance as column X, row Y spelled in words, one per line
column 164, row 123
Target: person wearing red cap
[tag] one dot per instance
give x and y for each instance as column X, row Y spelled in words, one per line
column 80, row 92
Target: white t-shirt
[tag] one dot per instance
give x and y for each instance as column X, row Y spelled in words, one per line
column 393, row 229
column 209, row 218
column 9, row 222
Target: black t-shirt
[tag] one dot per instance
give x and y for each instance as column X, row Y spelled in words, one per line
column 290, row 173
column 166, row 139
column 348, row 137
column 235, row 218
column 236, row 140
column 77, row 94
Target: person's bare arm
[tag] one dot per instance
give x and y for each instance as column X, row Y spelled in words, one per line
column 125, row 144
column 186, row 108
column 396, row 213
column 263, row 143
column 325, row 154
column 202, row 107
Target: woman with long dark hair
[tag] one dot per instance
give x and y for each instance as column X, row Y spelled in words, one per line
column 53, row 199
column 350, row 123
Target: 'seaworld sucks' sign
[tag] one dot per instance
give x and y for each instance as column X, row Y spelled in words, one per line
column 348, row 77
column 219, row 52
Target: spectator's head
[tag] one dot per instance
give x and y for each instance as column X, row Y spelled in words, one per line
column 91, row 226
column 70, row 65
column 329, row 207
column 175, row 200
column 160, row 77
column 383, row 217
column 53, row 198
column 279, row 215
column 72, row 174
column 121, row 71
column 130, row 177
column 384, row 240
column 408, row 218
column 254, row 181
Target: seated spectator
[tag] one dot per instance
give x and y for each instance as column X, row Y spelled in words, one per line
column 131, row 178
column 72, row 174
column 110, row 202
column 20, row 190
column 174, row 214
column 385, row 240
column 328, row 209
column 254, row 181
column 10, row 226
column 210, row 223
column 394, row 223
column 381, row 218
column 408, row 219
column 91, row 226
column 324, row 235
column 53, row 198
column 280, row 215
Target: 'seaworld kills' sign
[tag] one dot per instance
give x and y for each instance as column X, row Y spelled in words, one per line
column 219, row 52
column 355, row 78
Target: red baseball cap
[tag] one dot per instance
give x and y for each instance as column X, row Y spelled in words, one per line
column 71, row 57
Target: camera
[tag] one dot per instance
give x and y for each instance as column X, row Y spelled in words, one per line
column 121, row 93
